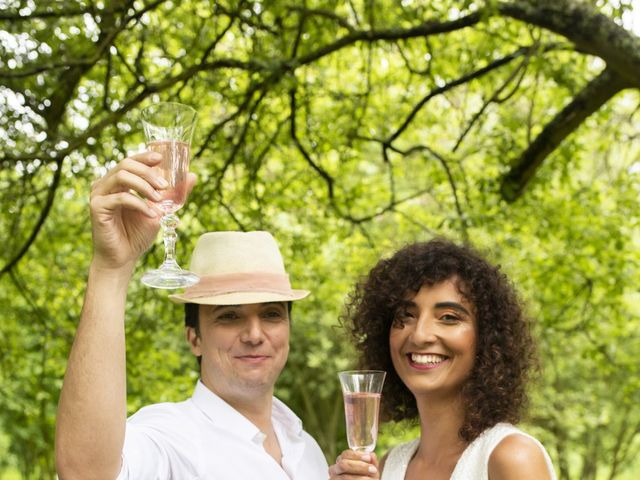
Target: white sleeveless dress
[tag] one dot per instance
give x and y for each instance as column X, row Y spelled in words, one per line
column 472, row 465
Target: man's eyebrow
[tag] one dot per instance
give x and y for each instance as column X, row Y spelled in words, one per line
column 454, row 305
column 264, row 304
column 219, row 307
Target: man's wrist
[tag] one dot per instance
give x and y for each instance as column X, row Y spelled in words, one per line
column 118, row 276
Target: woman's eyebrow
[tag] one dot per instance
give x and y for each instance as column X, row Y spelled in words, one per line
column 406, row 304
column 454, row 305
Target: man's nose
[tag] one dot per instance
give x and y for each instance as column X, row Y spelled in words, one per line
column 252, row 330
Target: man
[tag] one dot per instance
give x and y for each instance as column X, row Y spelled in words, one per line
column 237, row 324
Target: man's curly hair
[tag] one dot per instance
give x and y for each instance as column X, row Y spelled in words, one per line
column 495, row 390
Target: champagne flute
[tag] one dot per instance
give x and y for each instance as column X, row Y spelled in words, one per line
column 361, row 391
column 168, row 129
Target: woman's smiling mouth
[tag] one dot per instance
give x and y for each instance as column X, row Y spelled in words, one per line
column 426, row 361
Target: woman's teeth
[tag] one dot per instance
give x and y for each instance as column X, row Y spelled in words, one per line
column 428, row 359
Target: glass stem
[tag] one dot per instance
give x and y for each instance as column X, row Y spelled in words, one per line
column 169, row 223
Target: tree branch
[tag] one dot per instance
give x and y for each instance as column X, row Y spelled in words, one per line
column 459, row 81
column 452, row 183
column 319, row 12
column 423, row 30
column 62, row 13
column 591, row 31
column 494, row 98
column 328, row 179
column 236, row 146
column 589, row 100
column 43, row 216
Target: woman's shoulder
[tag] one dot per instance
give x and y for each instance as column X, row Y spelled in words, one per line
column 520, row 456
column 516, row 454
column 500, row 453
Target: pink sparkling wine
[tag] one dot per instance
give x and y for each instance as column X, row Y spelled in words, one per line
column 361, row 411
column 173, row 168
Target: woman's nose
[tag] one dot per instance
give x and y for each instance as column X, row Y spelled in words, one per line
column 425, row 331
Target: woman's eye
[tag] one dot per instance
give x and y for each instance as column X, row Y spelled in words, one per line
column 449, row 318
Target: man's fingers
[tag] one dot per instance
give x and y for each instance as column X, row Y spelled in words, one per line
column 125, row 181
column 191, row 182
column 120, row 177
column 125, row 200
column 147, row 157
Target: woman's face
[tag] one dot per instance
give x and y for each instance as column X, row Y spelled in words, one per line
column 433, row 340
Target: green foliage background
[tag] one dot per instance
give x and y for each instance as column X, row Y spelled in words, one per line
column 344, row 150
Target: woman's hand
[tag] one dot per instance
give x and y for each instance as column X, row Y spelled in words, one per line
column 351, row 465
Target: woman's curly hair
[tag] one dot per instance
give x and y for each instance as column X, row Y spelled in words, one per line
column 496, row 388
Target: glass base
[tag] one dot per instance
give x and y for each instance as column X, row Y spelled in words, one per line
column 169, row 278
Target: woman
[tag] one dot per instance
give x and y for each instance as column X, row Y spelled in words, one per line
column 450, row 332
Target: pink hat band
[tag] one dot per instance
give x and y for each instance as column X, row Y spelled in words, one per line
column 212, row 285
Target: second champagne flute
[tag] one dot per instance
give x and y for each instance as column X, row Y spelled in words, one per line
column 362, row 390
column 168, row 128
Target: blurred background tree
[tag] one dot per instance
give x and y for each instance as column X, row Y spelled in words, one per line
column 346, row 128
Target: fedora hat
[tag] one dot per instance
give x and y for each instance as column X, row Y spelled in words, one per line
column 236, row 268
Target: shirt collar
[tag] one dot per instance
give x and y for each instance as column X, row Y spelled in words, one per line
column 225, row 416
column 284, row 416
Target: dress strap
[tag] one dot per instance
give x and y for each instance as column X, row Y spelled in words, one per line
column 395, row 466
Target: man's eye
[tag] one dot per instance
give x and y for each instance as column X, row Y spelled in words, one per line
column 273, row 314
column 227, row 317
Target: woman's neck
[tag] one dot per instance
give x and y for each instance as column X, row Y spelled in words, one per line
column 440, row 422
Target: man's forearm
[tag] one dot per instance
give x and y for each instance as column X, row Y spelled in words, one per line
column 92, row 409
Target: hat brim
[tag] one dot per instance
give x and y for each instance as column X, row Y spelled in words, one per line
column 241, row 298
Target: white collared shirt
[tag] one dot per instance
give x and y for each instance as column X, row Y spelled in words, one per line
column 205, row 438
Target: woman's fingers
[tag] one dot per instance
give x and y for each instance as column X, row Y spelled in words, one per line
column 351, row 465
column 352, row 455
column 348, row 476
